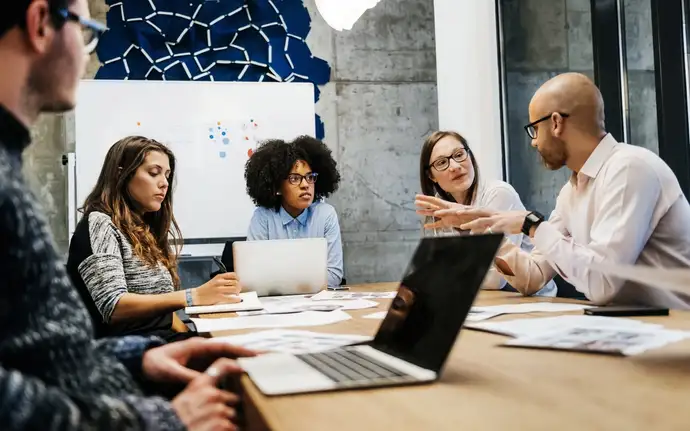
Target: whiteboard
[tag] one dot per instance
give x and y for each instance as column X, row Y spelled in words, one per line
column 210, row 127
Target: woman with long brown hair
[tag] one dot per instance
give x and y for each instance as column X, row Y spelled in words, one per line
column 123, row 254
column 449, row 176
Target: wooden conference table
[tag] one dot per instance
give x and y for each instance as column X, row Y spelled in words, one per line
column 487, row 387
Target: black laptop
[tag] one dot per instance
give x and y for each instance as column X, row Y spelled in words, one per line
column 414, row 339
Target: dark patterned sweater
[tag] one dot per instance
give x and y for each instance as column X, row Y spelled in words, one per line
column 53, row 375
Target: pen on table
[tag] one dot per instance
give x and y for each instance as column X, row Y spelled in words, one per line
column 220, row 264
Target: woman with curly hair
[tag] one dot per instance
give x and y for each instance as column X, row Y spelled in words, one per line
column 282, row 181
column 121, row 258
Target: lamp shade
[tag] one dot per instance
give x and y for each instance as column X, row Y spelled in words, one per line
column 342, row 14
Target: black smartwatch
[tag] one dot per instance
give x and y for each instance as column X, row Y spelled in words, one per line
column 533, row 219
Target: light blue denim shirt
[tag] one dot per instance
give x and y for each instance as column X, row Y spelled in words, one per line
column 318, row 221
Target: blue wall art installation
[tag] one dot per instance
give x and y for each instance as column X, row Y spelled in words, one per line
column 213, row 40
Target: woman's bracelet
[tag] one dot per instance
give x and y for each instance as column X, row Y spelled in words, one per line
column 188, row 297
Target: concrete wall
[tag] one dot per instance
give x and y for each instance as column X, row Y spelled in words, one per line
column 378, row 108
column 547, row 37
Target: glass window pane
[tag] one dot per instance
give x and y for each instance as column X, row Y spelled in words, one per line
column 542, row 38
column 639, row 44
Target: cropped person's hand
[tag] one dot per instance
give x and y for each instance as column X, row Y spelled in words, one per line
column 182, row 361
column 202, row 406
column 223, row 288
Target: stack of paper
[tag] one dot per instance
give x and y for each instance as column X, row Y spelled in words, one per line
column 289, row 341
column 484, row 313
column 540, row 325
column 307, row 318
column 249, row 301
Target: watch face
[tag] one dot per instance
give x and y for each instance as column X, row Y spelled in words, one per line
column 533, row 218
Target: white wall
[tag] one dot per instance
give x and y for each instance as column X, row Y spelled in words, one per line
column 468, row 78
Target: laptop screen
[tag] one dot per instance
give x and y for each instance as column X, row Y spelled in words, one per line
column 434, row 298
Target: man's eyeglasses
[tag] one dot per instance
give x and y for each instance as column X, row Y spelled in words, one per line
column 296, row 179
column 532, row 131
column 442, row 163
column 91, row 29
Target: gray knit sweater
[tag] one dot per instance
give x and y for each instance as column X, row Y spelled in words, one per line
column 103, row 266
column 53, row 375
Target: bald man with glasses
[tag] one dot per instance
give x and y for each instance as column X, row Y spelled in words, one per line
column 622, row 204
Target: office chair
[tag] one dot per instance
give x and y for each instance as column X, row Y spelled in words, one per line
column 226, row 257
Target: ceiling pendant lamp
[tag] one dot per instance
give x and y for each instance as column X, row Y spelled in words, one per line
column 342, row 14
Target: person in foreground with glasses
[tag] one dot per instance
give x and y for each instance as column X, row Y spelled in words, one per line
column 449, row 177
column 622, row 204
column 53, row 374
column 282, row 181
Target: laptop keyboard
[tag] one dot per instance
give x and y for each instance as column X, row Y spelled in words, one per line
column 347, row 366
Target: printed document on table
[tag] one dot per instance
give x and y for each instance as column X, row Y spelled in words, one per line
column 301, row 304
column 616, row 341
column 291, row 341
column 330, row 295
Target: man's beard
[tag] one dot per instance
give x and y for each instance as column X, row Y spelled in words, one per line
column 555, row 159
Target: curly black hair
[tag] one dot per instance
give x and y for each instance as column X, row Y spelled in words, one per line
column 273, row 160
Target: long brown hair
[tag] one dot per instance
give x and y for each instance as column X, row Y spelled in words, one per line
column 429, row 187
column 151, row 233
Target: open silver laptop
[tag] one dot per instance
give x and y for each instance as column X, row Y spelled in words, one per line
column 282, row 267
column 414, row 339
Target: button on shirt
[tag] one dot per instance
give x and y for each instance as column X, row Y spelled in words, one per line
column 625, row 206
column 318, row 221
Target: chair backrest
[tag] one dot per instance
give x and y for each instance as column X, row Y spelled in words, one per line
column 227, row 258
column 567, row 290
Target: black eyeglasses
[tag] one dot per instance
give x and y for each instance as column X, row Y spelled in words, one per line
column 442, row 163
column 91, row 29
column 296, row 179
column 532, row 131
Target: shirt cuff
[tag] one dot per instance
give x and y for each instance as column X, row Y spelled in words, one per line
column 545, row 237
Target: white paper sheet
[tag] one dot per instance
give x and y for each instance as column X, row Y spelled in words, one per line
column 290, row 341
column 327, row 295
column 620, row 341
column 379, row 315
column 477, row 316
column 249, row 302
column 307, row 318
column 673, row 279
column 540, row 325
column 302, row 304
column 534, row 307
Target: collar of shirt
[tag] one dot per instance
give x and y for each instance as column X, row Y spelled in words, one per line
column 302, row 218
column 13, row 134
column 596, row 160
